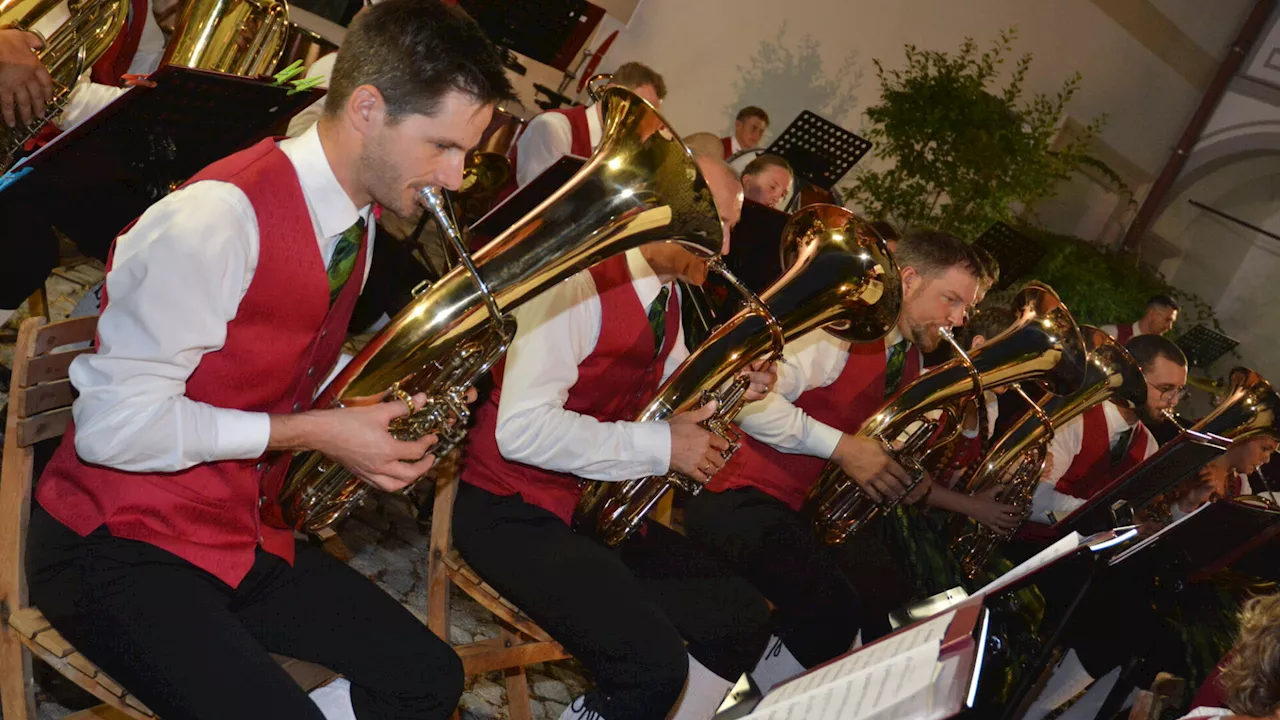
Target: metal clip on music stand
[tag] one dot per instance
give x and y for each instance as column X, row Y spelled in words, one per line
column 819, row 151
column 1203, row 345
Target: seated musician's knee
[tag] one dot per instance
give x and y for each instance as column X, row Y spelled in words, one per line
column 663, row 668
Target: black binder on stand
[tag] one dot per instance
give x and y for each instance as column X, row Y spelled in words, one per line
column 1172, row 463
column 146, row 143
column 820, row 151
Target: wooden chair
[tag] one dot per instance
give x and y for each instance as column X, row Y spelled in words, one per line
column 521, row 642
column 40, row 398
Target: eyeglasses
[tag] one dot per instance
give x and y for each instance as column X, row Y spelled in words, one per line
column 1170, row 393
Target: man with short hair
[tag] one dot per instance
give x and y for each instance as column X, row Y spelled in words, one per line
column 750, row 511
column 1162, row 313
column 576, row 130
column 748, row 131
column 767, row 179
column 157, row 547
column 1104, row 442
column 657, row 622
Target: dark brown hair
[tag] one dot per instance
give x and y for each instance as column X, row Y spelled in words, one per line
column 633, row 75
column 751, row 111
column 1146, row 348
column 415, row 52
column 765, row 161
column 932, row 253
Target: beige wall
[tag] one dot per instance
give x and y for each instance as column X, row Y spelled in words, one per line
column 704, row 47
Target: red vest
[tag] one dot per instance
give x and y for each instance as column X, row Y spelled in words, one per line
column 614, row 382
column 728, row 147
column 580, row 144
column 116, row 60
column 1091, row 469
column 279, row 347
column 1124, row 333
column 844, row 404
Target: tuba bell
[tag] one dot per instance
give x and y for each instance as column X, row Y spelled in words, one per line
column 1042, row 344
column 841, row 278
column 642, row 185
column 68, row 52
column 1016, row 460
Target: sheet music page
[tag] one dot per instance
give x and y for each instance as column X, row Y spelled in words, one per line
column 894, row 689
column 1059, row 549
column 1137, row 547
column 927, row 634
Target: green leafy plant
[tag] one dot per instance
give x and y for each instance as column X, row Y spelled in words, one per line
column 1102, row 287
column 964, row 152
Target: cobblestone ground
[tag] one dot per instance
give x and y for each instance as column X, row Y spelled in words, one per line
column 388, row 546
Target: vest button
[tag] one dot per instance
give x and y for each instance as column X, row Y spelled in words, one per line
column 311, row 371
column 262, row 500
column 261, row 541
column 324, row 332
column 297, row 406
column 258, row 466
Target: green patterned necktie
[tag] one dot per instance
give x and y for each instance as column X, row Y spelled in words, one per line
column 1121, row 447
column 658, row 318
column 344, row 258
column 893, row 367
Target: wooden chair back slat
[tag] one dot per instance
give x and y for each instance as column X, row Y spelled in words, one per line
column 67, row 332
column 50, row 368
column 48, row 396
column 43, row 426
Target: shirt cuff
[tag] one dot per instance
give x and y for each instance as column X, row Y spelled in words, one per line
column 653, row 440
column 820, row 439
column 241, row 435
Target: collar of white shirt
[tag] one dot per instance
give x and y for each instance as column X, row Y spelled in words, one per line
column 643, row 278
column 332, row 211
column 734, row 146
column 594, row 129
column 893, row 338
column 1115, row 423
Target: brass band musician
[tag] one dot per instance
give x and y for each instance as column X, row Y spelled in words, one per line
column 587, row 355
column 826, row 389
column 226, row 304
column 1090, row 451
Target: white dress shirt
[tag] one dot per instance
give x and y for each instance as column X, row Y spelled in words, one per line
column 556, row 331
column 1112, row 330
column 547, row 138
column 812, row 361
column 88, row 97
column 734, row 146
column 1064, row 447
column 177, row 279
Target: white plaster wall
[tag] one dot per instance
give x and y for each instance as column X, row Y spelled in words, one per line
column 703, row 47
column 1250, row 314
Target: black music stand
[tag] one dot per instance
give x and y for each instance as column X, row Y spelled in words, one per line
column 1017, row 253
column 1203, row 345
column 1174, row 462
column 819, row 151
column 143, row 145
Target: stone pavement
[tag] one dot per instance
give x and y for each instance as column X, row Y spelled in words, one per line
column 390, row 548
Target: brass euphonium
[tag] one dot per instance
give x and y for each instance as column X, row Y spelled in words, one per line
column 641, row 185
column 239, row 37
column 840, row 277
column 1042, row 344
column 1014, row 463
column 70, row 50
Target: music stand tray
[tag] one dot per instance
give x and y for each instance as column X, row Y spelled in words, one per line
column 819, row 151
column 150, row 140
column 1203, row 345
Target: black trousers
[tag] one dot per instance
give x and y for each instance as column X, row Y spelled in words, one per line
column 190, row 646
column 625, row 613
column 817, row 609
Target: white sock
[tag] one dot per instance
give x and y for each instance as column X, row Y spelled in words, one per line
column 703, row 693
column 334, row 700
column 577, row 710
column 5, row 315
column 1067, row 681
column 777, row 665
